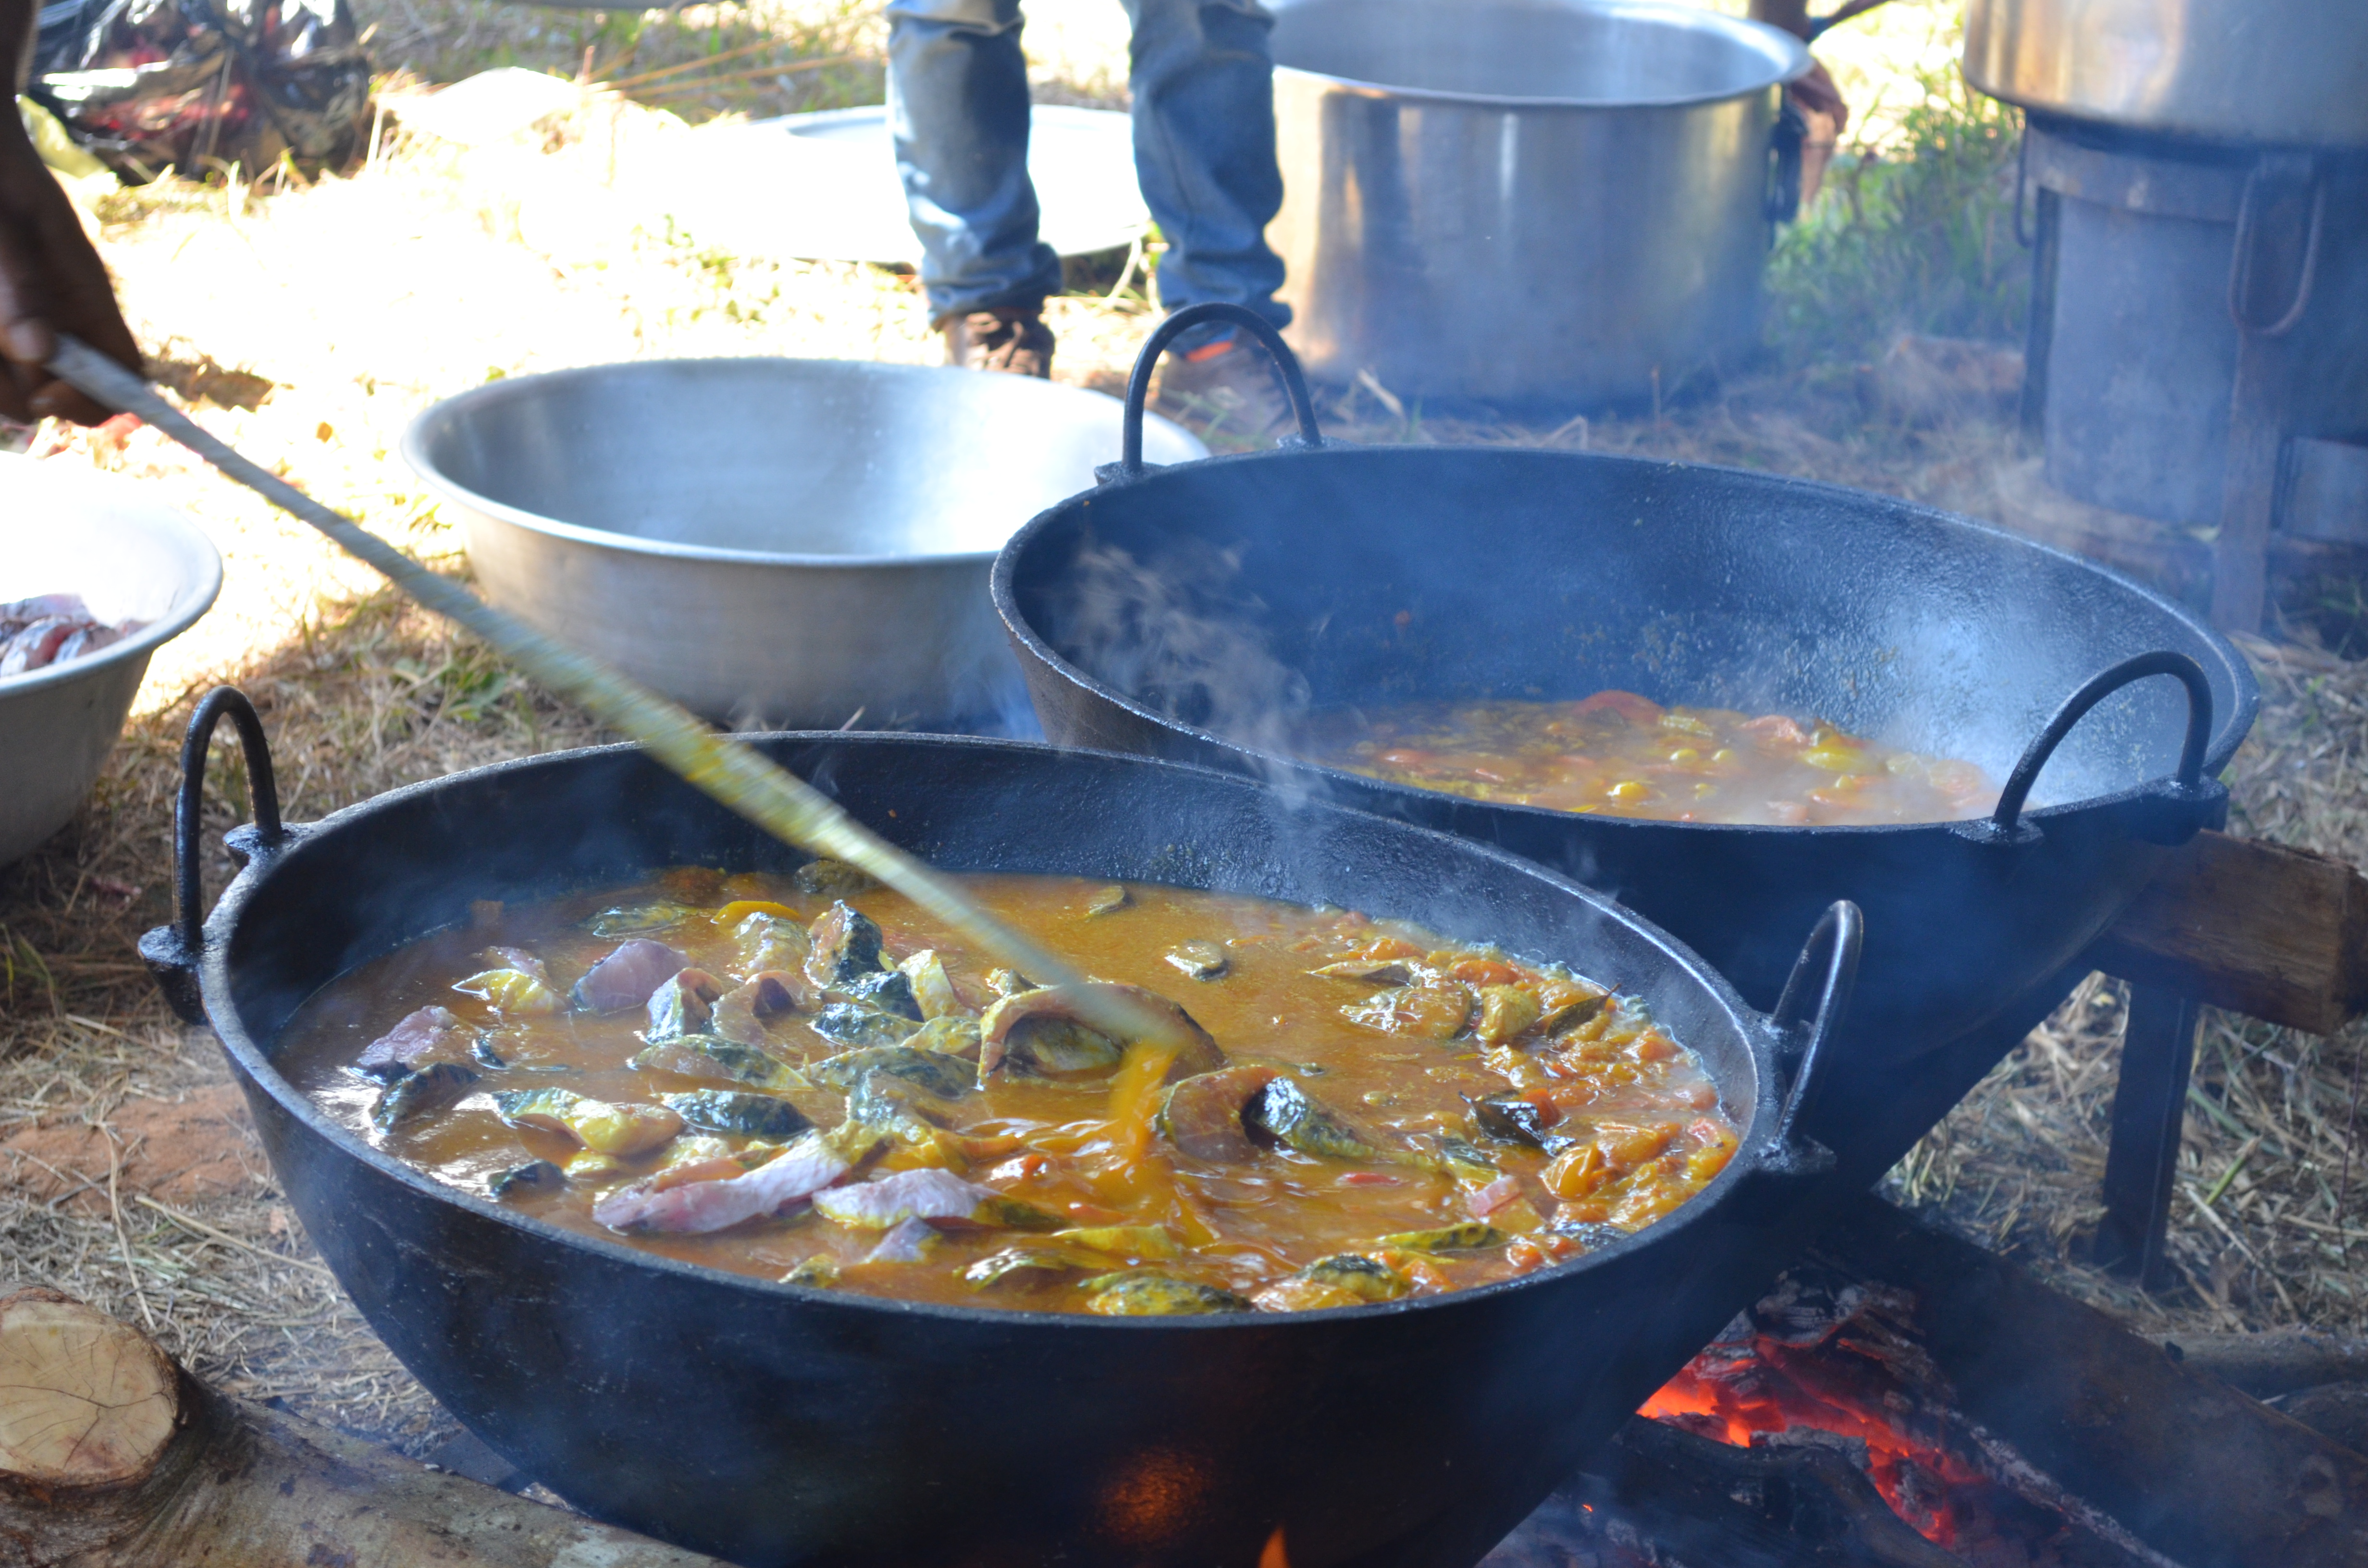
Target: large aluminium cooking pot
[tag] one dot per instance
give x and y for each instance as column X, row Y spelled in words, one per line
column 774, row 1423
column 2230, row 71
column 1563, row 200
column 1325, row 576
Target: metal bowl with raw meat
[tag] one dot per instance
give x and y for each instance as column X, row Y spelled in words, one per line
column 94, row 576
column 773, row 1423
column 1195, row 611
column 795, row 541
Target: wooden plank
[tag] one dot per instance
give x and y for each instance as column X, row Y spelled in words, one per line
column 2256, row 927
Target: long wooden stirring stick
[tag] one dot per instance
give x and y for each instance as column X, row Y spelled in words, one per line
column 734, row 772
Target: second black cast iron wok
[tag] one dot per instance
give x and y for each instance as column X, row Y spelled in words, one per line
column 775, row 1424
column 1186, row 611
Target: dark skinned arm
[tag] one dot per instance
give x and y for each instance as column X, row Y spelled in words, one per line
column 50, row 279
column 1815, row 92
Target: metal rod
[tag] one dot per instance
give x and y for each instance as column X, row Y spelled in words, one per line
column 698, row 83
column 732, row 771
column 620, row 84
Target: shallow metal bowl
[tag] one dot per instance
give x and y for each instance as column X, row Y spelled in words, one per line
column 129, row 557
column 797, row 542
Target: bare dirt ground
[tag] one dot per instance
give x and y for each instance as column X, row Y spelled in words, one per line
column 308, row 321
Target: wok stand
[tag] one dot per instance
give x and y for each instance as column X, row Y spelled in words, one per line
column 2255, row 927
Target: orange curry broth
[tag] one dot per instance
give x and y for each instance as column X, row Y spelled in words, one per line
column 1645, row 1127
column 1616, row 753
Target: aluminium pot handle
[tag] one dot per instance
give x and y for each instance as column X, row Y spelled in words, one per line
column 1782, row 201
column 1828, row 968
column 2189, row 796
column 2273, row 167
column 1138, row 386
column 171, row 951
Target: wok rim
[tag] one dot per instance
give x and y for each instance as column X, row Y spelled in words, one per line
column 1759, row 1140
column 2227, row 732
column 413, row 444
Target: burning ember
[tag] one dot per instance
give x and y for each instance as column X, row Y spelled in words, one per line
column 1845, row 1364
column 1842, row 1366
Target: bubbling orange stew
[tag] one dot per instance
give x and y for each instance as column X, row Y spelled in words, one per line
column 805, row 1077
column 1616, row 753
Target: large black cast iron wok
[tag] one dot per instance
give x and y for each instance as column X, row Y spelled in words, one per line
column 1338, row 577
column 775, row 1424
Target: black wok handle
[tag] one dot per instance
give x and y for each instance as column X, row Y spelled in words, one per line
column 1827, row 970
column 171, row 951
column 2186, row 791
column 1138, row 386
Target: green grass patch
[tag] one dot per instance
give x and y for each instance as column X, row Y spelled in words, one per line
column 1918, row 237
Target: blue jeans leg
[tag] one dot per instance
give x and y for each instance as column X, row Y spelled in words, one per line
column 1202, row 75
column 958, row 109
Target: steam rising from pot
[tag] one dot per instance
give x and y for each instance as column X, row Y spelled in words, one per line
column 1182, row 637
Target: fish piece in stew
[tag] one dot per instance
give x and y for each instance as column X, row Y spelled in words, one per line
column 845, row 945
column 628, row 976
column 430, row 1034
column 694, row 1208
column 1041, row 1031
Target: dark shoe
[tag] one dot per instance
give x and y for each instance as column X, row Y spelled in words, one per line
column 1009, row 339
column 1229, row 386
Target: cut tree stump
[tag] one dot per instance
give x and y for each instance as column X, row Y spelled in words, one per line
column 111, row 1456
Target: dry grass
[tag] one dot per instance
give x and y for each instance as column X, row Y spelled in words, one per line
column 365, row 695
column 342, row 307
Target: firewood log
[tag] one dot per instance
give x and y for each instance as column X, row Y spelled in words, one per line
column 111, row 1456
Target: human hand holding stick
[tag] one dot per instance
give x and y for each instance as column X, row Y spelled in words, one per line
column 51, row 280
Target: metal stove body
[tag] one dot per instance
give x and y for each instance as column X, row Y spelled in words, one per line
column 2198, row 338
